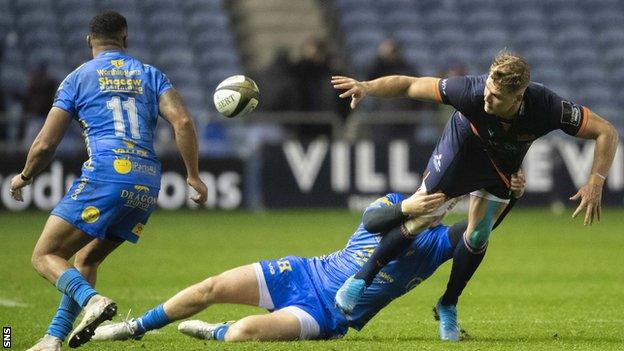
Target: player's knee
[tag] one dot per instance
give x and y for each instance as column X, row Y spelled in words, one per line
column 242, row 331
column 208, row 290
column 479, row 237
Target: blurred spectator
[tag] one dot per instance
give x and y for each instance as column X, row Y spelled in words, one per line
column 313, row 89
column 278, row 83
column 37, row 100
column 390, row 61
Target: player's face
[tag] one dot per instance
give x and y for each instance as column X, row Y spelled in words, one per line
column 497, row 101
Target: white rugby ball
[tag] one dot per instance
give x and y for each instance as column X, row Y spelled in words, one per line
column 236, row 96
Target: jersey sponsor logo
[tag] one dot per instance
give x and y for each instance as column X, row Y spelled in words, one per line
column 385, row 278
column 570, row 113
column 131, row 151
column 122, row 165
column 90, row 214
column 138, row 229
column 437, row 162
column 139, row 199
column 81, row 185
column 141, row 188
column 117, row 63
column 443, row 86
column 382, row 200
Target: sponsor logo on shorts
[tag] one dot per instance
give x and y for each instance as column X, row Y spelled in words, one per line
column 271, row 269
column 141, row 188
column 139, row 199
column 90, row 214
column 284, row 265
column 6, row 337
column 122, row 165
column 81, row 185
column 138, row 228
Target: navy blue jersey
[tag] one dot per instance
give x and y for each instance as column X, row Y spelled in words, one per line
column 507, row 141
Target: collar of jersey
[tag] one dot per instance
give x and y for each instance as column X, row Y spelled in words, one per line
column 112, row 51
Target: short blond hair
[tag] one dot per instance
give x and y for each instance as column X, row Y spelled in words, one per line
column 510, row 72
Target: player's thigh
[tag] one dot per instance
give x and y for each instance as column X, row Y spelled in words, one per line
column 482, row 208
column 280, row 325
column 60, row 238
column 238, row 285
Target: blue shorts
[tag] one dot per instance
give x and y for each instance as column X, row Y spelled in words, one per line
column 459, row 164
column 106, row 210
column 290, row 285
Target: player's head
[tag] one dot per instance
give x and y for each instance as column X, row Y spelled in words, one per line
column 508, row 78
column 109, row 28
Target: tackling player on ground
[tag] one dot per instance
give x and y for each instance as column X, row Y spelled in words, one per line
column 497, row 117
column 300, row 291
column 117, row 100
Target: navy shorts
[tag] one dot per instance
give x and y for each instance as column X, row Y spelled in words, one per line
column 107, row 210
column 460, row 165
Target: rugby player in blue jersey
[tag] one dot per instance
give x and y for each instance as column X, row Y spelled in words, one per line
column 116, row 99
column 300, row 292
column 498, row 115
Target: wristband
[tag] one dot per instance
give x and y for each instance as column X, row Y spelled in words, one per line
column 25, row 178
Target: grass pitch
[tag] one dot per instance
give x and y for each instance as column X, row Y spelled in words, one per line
column 547, row 283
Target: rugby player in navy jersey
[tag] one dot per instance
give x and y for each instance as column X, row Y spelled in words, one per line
column 498, row 115
column 116, row 99
column 300, row 292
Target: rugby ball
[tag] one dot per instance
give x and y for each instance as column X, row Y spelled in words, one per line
column 236, row 96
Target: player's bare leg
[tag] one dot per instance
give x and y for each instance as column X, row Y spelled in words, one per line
column 57, row 244
column 87, row 261
column 238, row 285
column 280, row 325
column 469, row 253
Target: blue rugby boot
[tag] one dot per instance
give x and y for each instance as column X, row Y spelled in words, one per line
column 447, row 315
column 349, row 294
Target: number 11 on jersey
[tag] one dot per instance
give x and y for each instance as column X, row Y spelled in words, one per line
column 129, row 105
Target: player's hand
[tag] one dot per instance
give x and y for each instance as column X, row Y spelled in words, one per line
column 200, row 188
column 421, row 204
column 17, row 183
column 356, row 90
column 518, row 183
column 591, row 198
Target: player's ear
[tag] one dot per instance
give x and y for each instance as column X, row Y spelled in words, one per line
column 88, row 38
column 124, row 41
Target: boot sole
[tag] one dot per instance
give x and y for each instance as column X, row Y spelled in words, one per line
column 84, row 335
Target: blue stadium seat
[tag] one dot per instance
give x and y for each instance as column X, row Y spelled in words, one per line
column 360, row 19
column 203, row 5
column 214, row 21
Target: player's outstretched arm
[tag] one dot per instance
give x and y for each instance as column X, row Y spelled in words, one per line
column 42, row 150
column 172, row 109
column 417, row 88
column 590, row 194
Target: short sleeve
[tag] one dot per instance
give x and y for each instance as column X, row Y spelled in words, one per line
column 65, row 97
column 454, row 90
column 161, row 82
column 564, row 114
column 387, row 200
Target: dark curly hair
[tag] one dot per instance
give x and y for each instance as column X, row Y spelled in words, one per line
column 108, row 25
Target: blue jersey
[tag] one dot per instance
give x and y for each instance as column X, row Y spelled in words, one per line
column 430, row 249
column 115, row 99
column 507, row 141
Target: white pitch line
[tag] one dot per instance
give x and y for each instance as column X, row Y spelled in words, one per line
column 11, row 303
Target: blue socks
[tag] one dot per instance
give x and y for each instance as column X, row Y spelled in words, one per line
column 64, row 318
column 220, row 331
column 74, row 285
column 152, row 319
